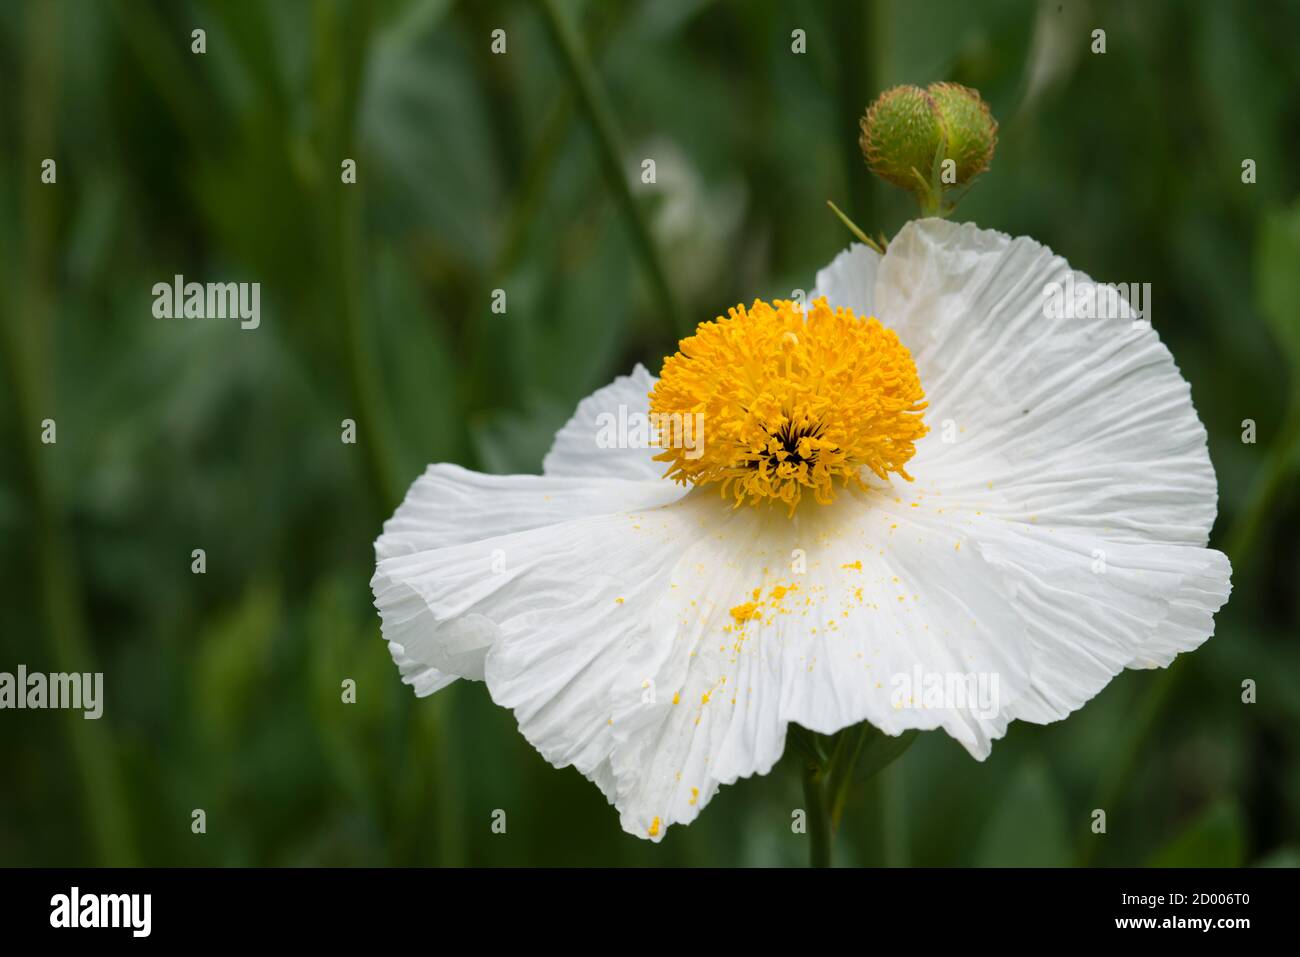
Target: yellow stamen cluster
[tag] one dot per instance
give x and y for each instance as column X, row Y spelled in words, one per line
column 791, row 401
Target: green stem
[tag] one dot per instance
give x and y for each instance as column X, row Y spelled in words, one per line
column 893, row 800
column 831, row 766
column 600, row 115
column 844, row 761
column 819, row 825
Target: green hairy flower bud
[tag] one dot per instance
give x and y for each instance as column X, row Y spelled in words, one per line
column 971, row 130
column 900, row 136
column 928, row 141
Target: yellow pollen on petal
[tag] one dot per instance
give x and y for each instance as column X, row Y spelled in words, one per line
column 792, row 402
column 654, row 828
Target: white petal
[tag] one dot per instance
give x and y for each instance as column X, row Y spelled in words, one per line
column 662, row 697
column 614, row 622
column 822, row 654
column 453, row 530
column 1067, row 449
column 1081, row 423
column 1087, row 618
column 895, row 596
column 579, row 449
column 850, row 280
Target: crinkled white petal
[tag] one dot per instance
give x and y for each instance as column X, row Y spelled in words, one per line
column 1077, row 434
column 584, row 448
column 850, row 280
column 1083, row 422
column 453, row 514
column 843, row 603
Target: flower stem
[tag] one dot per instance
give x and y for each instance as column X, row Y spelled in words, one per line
column 893, row 817
column 843, row 765
column 831, row 766
column 819, row 823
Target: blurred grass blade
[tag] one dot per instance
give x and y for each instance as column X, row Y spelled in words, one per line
column 27, row 348
column 595, row 105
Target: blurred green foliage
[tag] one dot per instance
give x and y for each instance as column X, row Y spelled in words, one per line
column 478, row 172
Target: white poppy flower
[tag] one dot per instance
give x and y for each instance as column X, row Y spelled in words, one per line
column 1049, row 530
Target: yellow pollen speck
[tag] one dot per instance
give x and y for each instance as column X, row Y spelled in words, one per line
column 746, row 611
column 654, row 828
column 855, row 566
column 695, row 796
column 618, row 601
column 677, row 697
column 794, row 401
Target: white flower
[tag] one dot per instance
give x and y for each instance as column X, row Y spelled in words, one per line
column 660, row 637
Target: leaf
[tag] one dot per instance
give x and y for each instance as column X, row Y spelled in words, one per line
column 1212, row 840
column 860, row 752
column 879, row 750
column 1028, row 828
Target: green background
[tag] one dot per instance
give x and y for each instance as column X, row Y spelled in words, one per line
column 478, row 172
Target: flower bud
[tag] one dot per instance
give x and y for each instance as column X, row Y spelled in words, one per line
column 970, row 128
column 908, row 134
column 900, row 136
